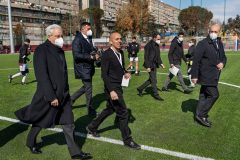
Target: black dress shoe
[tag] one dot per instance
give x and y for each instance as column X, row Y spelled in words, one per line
column 204, row 121
column 157, row 97
column 132, row 144
column 188, row 90
column 35, row 150
column 139, row 92
column 165, row 89
column 93, row 133
column 82, row 155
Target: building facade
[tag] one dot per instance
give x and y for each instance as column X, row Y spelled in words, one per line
column 166, row 16
column 34, row 15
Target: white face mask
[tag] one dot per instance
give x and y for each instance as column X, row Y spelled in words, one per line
column 158, row 41
column 59, row 42
column 213, row 36
column 190, row 44
column 89, row 33
column 180, row 39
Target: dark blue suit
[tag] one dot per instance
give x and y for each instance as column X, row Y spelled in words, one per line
column 83, row 68
column 208, row 55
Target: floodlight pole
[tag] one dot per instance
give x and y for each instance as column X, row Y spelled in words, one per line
column 10, row 27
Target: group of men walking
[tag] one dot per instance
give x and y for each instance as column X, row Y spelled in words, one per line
column 52, row 104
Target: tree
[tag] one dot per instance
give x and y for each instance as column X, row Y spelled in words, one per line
column 95, row 14
column 19, row 34
column 234, row 25
column 195, row 19
column 135, row 18
column 71, row 23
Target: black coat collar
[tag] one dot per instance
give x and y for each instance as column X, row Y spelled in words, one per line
column 54, row 50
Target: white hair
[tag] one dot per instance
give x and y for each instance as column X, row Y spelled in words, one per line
column 49, row 29
column 215, row 22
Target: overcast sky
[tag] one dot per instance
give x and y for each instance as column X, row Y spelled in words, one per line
column 215, row 6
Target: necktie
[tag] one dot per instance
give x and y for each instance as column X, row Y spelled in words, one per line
column 216, row 43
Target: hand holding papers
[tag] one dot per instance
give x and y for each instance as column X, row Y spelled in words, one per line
column 174, row 70
column 125, row 81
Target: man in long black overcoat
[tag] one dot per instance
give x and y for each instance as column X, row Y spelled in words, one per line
column 51, row 104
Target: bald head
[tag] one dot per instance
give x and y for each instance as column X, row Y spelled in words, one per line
column 115, row 40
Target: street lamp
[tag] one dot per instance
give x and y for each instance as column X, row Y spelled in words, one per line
column 22, row 32
column 10, row 27
column 224, row 16
column 43, row 23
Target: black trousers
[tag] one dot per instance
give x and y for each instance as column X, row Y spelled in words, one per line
column 208, row 96
column 68, row 131
column 87, row 89
column 119, row 107
column 152, row 80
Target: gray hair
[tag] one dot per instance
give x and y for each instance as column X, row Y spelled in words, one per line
column 215, row 22
column 49, row 29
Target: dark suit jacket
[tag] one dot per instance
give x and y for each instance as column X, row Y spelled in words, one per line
column 112, row 71
column 83, row 64
column 152, row 57
column 52, row 82
column 176, row 53
column 205, row 62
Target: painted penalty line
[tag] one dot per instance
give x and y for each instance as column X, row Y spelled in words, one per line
column 118, row 142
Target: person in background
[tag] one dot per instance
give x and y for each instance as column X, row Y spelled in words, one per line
column 175, row 56
column 209, row 60
column 152, row 61
column 24, row 52
column 189, row 56
column 133, row 49
column 84, row 69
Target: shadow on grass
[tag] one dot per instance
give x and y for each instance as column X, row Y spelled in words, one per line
column 131, row 119
column 97, row 100
column 9, row 133
column 19, row 83
column 173, row 86
column 190, row 106
column 59, row 138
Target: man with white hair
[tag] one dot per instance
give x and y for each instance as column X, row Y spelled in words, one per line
column 51, row 103
column 209, row 60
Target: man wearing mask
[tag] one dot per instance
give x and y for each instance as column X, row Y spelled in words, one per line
column 84, row 68
column 208, row 63
column 152, row 61
column 113, row 70
column 24, row 52
column 189, row 56
column 133, row 49
column 175, row 56
column 51, row 103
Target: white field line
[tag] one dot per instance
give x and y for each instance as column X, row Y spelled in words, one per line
column 228, row 84
column 118, row 142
